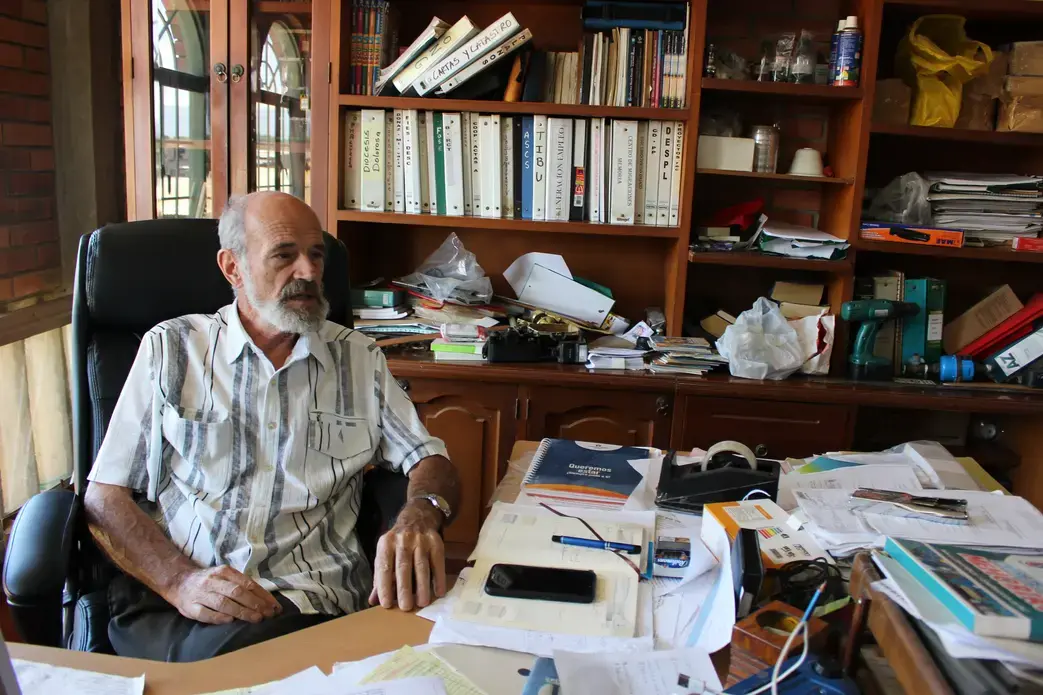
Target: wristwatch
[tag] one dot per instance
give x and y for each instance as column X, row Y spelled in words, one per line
column 438, row 502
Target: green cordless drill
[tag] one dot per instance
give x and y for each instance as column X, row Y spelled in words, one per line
column 872, row 313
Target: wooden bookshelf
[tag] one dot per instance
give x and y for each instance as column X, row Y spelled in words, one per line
column 986, row 137
column 755, row 259
column 1002, row 254
column 783, row 89
column 510, row 225
column 792, row 178
column 974, row 9
column 520, row 107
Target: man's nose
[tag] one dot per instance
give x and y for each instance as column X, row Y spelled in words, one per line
column 307, row 268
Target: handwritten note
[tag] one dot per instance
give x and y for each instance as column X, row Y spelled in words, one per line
column 44, row 679
column 409, row 663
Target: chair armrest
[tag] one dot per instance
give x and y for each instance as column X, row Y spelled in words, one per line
column 36, row 563
column 383, row 494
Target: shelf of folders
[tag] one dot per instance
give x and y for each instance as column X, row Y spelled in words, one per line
column 630, row 55
column 520, row 166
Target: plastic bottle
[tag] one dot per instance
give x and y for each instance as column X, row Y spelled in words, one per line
column 849, row 54
column 833, row 51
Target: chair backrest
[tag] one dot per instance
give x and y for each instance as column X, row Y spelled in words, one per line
column 132, row 276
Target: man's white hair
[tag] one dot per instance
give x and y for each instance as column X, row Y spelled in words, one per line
column 231, row 227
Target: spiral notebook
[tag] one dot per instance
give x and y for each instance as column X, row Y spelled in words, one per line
column 582, row 473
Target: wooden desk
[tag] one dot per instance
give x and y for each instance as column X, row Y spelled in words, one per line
column 350, row 638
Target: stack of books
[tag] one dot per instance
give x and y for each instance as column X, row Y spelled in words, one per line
column 458, row 350
column 693, row 356
column 374, row 302
column 445, row 57
column 374, row 41
column 517, row 167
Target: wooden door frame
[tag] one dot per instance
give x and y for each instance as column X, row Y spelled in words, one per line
column 139, row 104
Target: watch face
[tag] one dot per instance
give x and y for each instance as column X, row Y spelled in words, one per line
column 439, row 503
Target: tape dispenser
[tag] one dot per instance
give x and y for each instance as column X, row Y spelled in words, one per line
column 728, row 472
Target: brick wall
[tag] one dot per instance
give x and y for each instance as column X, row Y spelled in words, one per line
column 29, row 254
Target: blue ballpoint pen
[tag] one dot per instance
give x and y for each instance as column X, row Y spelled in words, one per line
column 627, row 548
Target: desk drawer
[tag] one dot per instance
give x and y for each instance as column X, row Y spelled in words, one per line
column 773, row 429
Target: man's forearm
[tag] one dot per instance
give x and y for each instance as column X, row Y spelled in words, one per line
column 434, row 475
column 132, row 540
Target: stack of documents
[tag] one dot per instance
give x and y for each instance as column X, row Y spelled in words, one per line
column 994, row 209
column 795, row 241
column 391, row 312
column 683, row 356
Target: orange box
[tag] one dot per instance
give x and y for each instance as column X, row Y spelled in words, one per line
column 907, row 234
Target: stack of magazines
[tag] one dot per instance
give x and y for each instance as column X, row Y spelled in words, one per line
column 693, row 356
column 993, row 209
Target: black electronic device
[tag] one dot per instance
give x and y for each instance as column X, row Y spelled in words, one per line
column 748, row 569
column 541, row 583
column 723, row 476
column 526, row 345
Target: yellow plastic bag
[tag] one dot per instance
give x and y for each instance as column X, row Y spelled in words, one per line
column 936, row 59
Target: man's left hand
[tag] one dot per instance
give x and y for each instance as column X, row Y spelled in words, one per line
column 412, row 547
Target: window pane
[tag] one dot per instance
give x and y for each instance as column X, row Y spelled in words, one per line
column 181, row 95
column 280, row 89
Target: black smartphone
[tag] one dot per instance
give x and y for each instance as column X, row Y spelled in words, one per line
column 543, row 583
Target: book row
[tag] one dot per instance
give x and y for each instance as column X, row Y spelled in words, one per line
column 515, row 167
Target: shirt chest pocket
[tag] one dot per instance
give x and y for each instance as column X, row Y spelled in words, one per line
column 203, row 442
column 338, row 447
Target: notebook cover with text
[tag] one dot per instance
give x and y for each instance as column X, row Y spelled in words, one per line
column 565, row 468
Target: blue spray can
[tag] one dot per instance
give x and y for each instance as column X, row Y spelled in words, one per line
column 849, row 55
column 833, row 52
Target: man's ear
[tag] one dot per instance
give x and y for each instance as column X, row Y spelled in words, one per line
column 229, row 266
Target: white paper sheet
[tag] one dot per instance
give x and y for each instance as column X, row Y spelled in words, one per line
column 410, row 663
column 450, row 631
column 710, row 627
column 796, row 232
column 901, row 478
column 517, row 273
column 43, row 679
column 654, row 673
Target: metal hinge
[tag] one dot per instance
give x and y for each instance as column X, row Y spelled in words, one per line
column 517, row 408
column 329, row 73
column 132, row 68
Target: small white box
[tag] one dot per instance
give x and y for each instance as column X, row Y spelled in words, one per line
column 732, row 154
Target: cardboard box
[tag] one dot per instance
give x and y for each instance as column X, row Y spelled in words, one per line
column 1022, row 86
column 1027, row 244
column 731, row 154
column 977, row 112
column 1022, row 114
column 892, row 102
column 779, row 542
column 906, row 234
column 991, row 83
column 980, row 319
column 1026, row 58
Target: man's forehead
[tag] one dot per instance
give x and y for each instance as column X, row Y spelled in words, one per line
column 280, row 231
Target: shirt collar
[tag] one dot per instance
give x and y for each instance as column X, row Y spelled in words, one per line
column 237, row 339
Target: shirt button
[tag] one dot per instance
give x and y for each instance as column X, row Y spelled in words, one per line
column 271, row 425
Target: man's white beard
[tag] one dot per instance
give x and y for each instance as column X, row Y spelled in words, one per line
column 286, row 319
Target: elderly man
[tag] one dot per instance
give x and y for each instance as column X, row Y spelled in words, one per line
column 229, row 481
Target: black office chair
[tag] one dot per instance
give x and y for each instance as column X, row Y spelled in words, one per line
column 129, row 277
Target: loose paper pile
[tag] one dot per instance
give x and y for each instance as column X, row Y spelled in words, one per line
column 992, row 208
column 793, row 240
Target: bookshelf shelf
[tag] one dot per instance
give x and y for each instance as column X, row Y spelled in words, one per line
column 493, row 224
column 784, row 89
column 1007, row 9
column 522, row 107
column 990, row 137
column 776, row 177
column 970, row 253
column 753, row 259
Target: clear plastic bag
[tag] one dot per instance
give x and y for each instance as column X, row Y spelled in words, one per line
column 452, row 272
column 761, row 344
column 903, row 201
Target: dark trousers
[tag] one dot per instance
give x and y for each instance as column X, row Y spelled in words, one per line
column 144, row 626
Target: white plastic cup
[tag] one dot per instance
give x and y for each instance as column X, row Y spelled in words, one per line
column 807, row 161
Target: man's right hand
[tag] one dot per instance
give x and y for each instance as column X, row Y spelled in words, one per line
column 219, row 595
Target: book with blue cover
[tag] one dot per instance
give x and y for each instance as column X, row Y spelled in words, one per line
column 584, row 473
column 526, row 168
column 993, row 593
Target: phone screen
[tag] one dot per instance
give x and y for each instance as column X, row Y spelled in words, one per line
column 545, row 583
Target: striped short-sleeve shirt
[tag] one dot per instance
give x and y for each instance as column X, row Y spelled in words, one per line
column 258, row 468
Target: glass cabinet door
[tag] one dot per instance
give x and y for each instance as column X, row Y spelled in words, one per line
column 285, row 121
column 176, row 155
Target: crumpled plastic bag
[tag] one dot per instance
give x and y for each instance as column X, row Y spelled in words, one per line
column 815, row 334
column 937, row 59
column 452, row 272
column 761, row 344
column 903, row 201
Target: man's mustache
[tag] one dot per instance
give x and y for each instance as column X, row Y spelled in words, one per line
column 300, row 287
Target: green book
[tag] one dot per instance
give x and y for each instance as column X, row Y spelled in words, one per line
column 440, row 166
column 468, row 348
column 376, row 298
column 935, row 319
